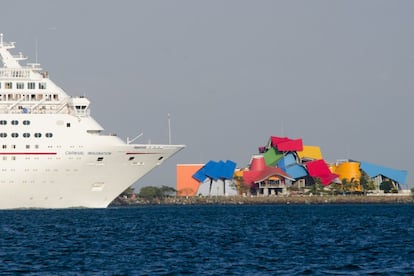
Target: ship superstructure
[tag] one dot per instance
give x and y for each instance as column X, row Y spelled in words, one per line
column 53, row 154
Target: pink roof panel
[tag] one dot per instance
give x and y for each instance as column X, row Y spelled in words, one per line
column 286, row 144
column 319, row 169
column 251, row 177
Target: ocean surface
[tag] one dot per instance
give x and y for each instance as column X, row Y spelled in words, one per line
column 210, row 240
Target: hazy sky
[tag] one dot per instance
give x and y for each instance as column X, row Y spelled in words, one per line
column 231, row 73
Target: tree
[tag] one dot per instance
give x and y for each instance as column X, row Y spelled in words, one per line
column 128, row 192
column 337, row 188
column 387, row 186
column 167, row 191
column 317, row 188
column 241, row 187
column 151, row 192
column 185, row 192
column 366, row 183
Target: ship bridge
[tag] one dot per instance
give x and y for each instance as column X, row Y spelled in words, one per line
column 80, row 106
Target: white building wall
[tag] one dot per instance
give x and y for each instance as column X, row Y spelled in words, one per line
column 217, row 188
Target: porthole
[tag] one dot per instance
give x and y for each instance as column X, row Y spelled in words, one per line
column 3, row 122
column 14, row 122
column 15, row 135
column 26, row 122
column 49, row 135
column 3, row 134
column 37, row 135
column 26, row 135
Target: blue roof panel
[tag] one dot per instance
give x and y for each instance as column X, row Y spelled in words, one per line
column 213, row 169
column 296, row 171
column 287, row 160
column 227, row 171
column 216, row 170
column 373, row 170
column 200, row 175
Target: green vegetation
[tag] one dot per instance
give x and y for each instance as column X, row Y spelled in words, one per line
column 151, row 192
column 128, row 192
column 317, row 188
column 388, row 186
column 366, row 182
column 239, row 185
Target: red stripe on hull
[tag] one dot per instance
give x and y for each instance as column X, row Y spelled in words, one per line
column 27, row 153
column 129, row 153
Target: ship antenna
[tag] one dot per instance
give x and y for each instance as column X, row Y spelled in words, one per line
column 36, row 48
column 169, row 128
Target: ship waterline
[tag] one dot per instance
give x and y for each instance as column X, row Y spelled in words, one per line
column 53, row 154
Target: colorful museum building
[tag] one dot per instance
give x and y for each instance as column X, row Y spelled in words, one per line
column 280, row 164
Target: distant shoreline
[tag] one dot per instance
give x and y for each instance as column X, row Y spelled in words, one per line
column 240, row 200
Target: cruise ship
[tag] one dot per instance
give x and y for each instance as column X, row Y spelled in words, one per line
column 53, row 153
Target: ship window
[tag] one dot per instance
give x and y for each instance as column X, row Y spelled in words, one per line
column 27, row 146
column 26, row 122
column 31, row 85
column 160, row 158
column 49, row 135
column 67, row 124
column 4, row 146
column 8, row 85
column 3, row 122
column 26, row 135
column 37, row 135
column 13, row 146
column 3, row 135
column 14, row 122
column 42, row 85
column 131, row 158
column 15, row 135
column 55, row 97
column 100, row 159
column 20, row 85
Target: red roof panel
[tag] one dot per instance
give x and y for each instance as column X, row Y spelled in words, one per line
column 319, row 169
column 251, row 177
column 286, row 144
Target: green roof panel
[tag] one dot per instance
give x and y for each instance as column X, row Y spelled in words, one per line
column 272, row 157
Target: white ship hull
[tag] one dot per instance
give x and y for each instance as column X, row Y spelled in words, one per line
column 64, row 183
column 81, row 171
column 53, row 153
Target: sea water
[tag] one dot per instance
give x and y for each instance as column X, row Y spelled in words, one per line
column 210, row 240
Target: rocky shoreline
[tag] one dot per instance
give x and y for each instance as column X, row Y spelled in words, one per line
column 239, row 200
